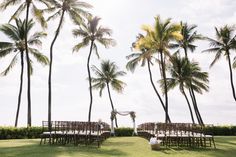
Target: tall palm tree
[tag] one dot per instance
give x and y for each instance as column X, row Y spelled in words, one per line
column 17, row 47
column 38, row 14
column 107, row 76
column 159, row 37
column 91, row 34
column 190, row 35
column 179, row 72
column 76, row 10
column 184, row 73
column 144, row 56
column 224, row 43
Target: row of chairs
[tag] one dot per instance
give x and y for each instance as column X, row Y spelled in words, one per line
column 75, row 132
column 177, row 134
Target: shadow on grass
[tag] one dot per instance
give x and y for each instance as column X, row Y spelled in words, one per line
column 224, row 148
column 36, row 150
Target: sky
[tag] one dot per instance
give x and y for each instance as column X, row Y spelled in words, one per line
column 70, row 94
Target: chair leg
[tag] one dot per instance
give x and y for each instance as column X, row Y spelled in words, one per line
column 41, row 140
column 214, row 142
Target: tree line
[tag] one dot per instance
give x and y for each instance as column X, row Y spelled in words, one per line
column 165, row 44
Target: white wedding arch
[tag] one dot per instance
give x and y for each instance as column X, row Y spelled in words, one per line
column 123, row 113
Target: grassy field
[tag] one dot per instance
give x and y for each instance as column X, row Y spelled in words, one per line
column 113, row 147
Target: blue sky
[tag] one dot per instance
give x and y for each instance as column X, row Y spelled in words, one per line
column 125, row 17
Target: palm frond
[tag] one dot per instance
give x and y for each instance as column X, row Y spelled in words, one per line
column 4, row 45
column 55, row 15
column 17, row 13
column 42, row 59
column 38, row 14
column 6, row 51
column 10, row 31
column 118, row 85
column 234, row 63
column 95, row 48
column 10, row 66
column 35, row 38
column 107, row 42
column 7, row 3
column 80, row 45
column 99, row 86
column 80, row 33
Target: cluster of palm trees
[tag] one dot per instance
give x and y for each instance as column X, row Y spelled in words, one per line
column 88, row 28
column 176, row 69
column 154, row 48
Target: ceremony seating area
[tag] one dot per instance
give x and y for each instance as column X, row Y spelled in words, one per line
column 177, row 134
column 74, row 132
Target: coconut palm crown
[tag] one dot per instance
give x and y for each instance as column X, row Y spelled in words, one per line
column 223, row 45
column 190, row 35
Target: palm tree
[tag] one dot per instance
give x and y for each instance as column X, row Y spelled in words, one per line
column 159, row 38
column 107, row 76
column 223, row 44
column 183, row 73
column 38, row 14
column 92, row 33
column 17, row 47
column 190, row 35
column 75, row 10
column 144, row 56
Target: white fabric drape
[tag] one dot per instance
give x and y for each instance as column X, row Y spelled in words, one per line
column 123, row 113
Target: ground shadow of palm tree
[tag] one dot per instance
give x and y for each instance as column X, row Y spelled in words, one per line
column 33, row 148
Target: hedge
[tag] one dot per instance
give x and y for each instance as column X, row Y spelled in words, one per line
column 20, row 133
column 124, row 131
column 221, row 130
column 34, row 132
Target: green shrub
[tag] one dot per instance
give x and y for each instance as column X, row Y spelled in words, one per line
column 34, row 132
column 20, row 133
column 124, row 131
column 221, row 130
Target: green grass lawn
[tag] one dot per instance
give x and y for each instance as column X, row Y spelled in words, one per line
column 112, row 147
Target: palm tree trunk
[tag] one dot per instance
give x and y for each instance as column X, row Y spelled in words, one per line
column 165, row 85
column 191, row 95
column 200, row 121
column 90, row 91
column 231, row 76
column 185, row 52
column 90, row 83
column 50, row 72
column 28, row 67
column 189, row 106
column 196, row 113
column 157, row 93
column 112, row 106
column 21, row 85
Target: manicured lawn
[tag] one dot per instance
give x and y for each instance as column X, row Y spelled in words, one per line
column 120, row 147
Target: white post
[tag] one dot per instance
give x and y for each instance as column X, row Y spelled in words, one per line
column 112, row 128
column 135, row 129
